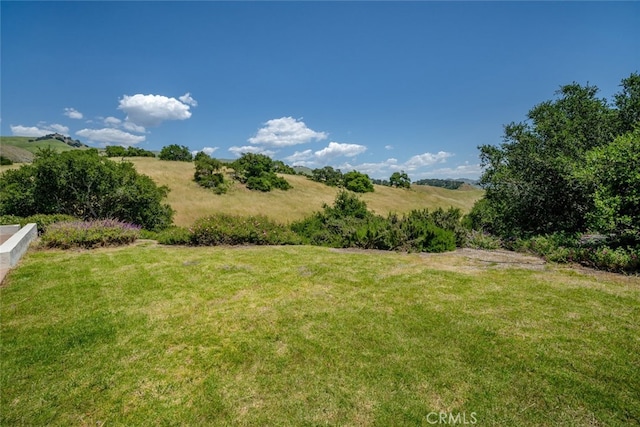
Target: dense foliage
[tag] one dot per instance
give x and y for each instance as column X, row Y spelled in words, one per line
column 85, row 185
column 258, row 172
column 5, row 161
column 176, row 152
column 450, row 184
column 118, row 151
column 357, row 182
column 534, row 181
column 572, row 168
column 348, row 223
column 400, row 180
column 222, row 229
column 208, row 173
column 328, row 175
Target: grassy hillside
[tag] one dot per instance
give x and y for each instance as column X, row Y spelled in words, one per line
column 192, row 201
column 23, row 142
column 305, row 336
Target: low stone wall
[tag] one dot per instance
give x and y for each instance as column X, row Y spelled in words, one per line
column 12, row 250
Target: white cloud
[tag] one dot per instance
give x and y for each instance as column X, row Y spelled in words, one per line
column 337, row 149
column 426, row 159
column 132, row 127
column 373, row 169
column 206, row 150
column 238, row 151
column 151, row 110
column 115, row 122
column 72, row 113
column 41, row 130
column 285, row 132
column 112, row 121
column 59, row 128
column 34, row 131
column 110, row 136
column 187, row 99
column 388, row 147
column 461, row 171
column 300, row 158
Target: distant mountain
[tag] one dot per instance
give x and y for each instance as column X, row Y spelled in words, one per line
column 69, row 141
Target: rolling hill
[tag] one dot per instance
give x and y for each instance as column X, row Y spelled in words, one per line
column 192, row 201
column 14, row 147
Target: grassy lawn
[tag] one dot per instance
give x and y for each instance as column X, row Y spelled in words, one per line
column 192, row 201
column 151, row 335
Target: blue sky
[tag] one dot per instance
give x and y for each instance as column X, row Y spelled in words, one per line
column 372, row 86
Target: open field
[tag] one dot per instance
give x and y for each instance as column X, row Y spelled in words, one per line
column 192, row 201
column 152, row 335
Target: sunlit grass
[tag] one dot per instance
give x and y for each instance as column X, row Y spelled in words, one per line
column 152, row 335
column 192, row 202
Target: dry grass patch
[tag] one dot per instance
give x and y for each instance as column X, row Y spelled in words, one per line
column 192, row 201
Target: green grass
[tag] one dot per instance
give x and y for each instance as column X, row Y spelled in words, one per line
column 152, row 335
column 33, row 147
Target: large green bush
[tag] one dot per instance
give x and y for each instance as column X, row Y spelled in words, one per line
column 258, row 172
column 357, row 182
column 176, row 152
column 348, row 223
column 85, row 185
column 208, row 173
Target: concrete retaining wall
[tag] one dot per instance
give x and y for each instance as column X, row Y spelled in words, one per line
column 12, row 250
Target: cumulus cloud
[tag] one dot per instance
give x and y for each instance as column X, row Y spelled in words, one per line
column 461, row 171
column 206, row 150
column 72, row 113
column 41, row 130
column 112, row 121
column 187, row 99
column 115, row 122
column 337, row 149
column 300, row 158
column 388, row 147
column 426, row 159
column 132, row 127
column 151, row 110
column 374, row 169
column 110, row 136
column 285, row 132
column 238, row 151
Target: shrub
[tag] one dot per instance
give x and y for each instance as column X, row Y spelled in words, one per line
column 207, row 173
column 89, row 234
column 4, row 161
column 170, row 236
column 260, row 183
column 357, row 182
column 43, row 221
column 479, row 240
column 222, row 229
column 85, row 185
column 258, row 172
column 176, row 152
column 348, row 223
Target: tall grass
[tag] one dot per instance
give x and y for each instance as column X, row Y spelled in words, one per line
column 192, row 202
